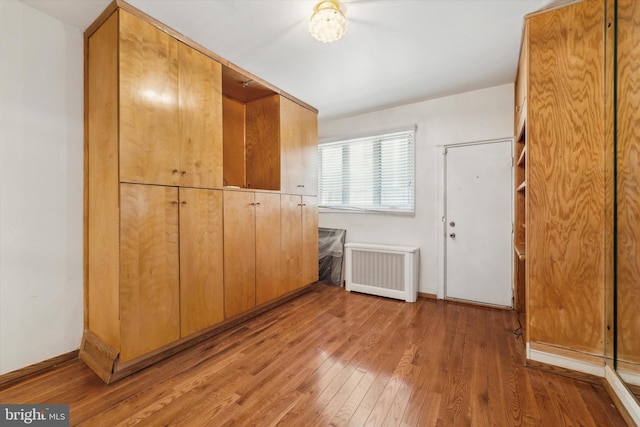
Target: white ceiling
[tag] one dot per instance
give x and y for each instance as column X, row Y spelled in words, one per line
column 394, row 51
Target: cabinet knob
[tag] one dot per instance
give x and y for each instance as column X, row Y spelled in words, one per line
column 183, row 173
column 300, row 185
column 175, row 202
column 184, row 202
column 175, row 171
column 257, row 203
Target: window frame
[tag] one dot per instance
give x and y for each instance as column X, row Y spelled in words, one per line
column 378, row 209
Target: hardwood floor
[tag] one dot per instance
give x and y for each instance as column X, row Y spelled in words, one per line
column 334, row 358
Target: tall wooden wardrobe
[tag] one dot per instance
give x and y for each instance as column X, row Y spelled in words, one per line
column 200, row 193
column 577, row 121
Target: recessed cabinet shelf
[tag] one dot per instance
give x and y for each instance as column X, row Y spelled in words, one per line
column 521, row 159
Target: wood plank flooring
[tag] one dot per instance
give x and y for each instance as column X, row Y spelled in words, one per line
column 333, row 358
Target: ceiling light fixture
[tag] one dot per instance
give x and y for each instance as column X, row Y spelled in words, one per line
column 328, row 22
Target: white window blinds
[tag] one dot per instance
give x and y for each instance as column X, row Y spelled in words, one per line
column 368, row 174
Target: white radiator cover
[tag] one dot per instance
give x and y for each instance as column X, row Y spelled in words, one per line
column 383, row 270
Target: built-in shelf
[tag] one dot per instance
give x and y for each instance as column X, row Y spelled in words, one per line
column 522, row 187
column 521, row 159
column 520, row 249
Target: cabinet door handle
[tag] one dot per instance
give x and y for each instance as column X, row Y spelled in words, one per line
column 175, row 202
column 300, row 185
column 184, row 202
column 184, row 173
column 257, row 203
column 175, row 171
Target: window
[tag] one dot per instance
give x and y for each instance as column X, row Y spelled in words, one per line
column 368, row 174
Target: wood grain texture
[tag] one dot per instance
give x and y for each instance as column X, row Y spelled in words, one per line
column 263, row 143
column 201, row 260
column 610, row 177
column 565, row 184
column 268, row 266
column 200, row 119
column 149, row 125
column 239, row 252
column 309, row 236
column 102, row 216
column 263, row 86
column 336, row 358
column 298, row 149
column 234, row 170
column 291, row 240
column 628, row 183
column 149, row 269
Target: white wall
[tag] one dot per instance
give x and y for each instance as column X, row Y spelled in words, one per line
column 473, row 116
column 41, row 185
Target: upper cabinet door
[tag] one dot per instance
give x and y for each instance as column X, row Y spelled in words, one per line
column 200, row 110
column 299, row 149
column 149, row 145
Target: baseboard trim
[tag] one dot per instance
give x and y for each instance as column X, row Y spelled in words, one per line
column 622, row 397
column 13, row 377
column 571, row 364
column 427, row 295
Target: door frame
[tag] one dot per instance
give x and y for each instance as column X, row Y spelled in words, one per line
column 442, row 203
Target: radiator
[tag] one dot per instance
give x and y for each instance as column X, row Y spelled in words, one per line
column 383, row 270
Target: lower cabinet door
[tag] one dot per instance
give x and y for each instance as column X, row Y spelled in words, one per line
column 291, row 224
column 269, row 284
column 149, row 269
column 310, row 260
column 201, row 258
column 239, row 252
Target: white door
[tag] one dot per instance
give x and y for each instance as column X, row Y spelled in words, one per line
column 478, row 206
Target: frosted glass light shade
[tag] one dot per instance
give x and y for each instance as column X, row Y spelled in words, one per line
column 328, row 23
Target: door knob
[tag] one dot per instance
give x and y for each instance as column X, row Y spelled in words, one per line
column 452, row 235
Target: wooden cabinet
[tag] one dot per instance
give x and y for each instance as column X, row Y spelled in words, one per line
column 170, row 109
column 299, row 241
column 299, row 149
column 170, row 265
column 169, row 254
column 200, row 114
column 149, row 269
column 201, row 260
column 279, row 141
column 268, row 248
column 252, row 250
column 309, row 240
column 263, row 143
column 565, row 183
column 627, row 215
column 239, row 252
column 520, row 178
column 171, row 269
